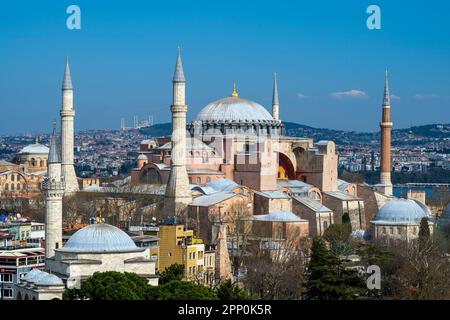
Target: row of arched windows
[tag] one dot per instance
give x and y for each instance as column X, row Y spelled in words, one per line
column 12, row 187
column 37, row 163
column 198, row 180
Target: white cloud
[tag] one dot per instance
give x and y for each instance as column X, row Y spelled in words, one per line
column 301, row 96
column 427, row 96
column 349, row 94
column 394, row 97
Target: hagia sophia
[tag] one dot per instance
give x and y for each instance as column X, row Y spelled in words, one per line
column 232, row 162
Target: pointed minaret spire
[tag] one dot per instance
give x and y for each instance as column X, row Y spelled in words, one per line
column 234, row 94
column 53, row 187
column 67, row 82
column 386, row 97
column 275, row 103
column 178, row 193
column 178, row 76
column 67, row 133
column 53, row 155
column 385, row 151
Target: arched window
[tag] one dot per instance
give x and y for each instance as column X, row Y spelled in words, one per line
column 42, row 163
column 18, row 186
column 12, row 187
column 6, row 187
column 190, row 180
column 208, row 179
column 199, row 180
column 13, row 177
column 33, row 162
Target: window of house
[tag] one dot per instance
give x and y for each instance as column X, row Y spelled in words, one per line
column 6, row 277
column 7, row 293
column 12, row 187
column 325, row 225
column 13, row 177
column 208, row 179
column 199, row 180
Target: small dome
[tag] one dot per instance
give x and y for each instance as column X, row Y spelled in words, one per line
column 100, row 237
column 49, row 280
column 402, row 211
column 142, row 157
column 360, row 234
column 36, row 148
column 234, row 109
column 32, row 274
column 38, row 277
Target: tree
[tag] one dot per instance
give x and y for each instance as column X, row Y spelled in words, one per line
column 276, row 273
column 173, row 272
column 424, row 233
column 328, row 278
column 230, row 291
column 338, row 236
column 181, row 290
column 110, row 285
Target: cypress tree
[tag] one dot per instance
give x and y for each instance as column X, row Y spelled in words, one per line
column 328, row 278
column 424, row 233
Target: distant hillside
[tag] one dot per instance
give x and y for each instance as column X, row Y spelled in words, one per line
column 415, row 135
column 157, row 130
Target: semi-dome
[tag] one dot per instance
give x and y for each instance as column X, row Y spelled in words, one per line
column 100, row 237
column 234, row 109
column 401, row 211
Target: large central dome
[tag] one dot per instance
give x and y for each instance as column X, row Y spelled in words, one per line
column 100, row 237
column 234, row 109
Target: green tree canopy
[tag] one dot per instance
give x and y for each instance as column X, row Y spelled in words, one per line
column 424, row 233
column 328, row 278
column 173, row 272
column 230, row 291
column 181, row 290
column 110, row 285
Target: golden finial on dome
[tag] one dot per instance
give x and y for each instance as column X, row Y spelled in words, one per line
column 234, row 94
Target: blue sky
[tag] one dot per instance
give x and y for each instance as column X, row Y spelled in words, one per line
column 330, row 67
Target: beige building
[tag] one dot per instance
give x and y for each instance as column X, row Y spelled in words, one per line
column 319, row 216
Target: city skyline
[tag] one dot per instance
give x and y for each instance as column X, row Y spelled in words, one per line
column 122, row 60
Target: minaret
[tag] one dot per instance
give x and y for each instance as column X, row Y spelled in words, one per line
column 67, row 133
column 275, row 103
column 178, row 194
column 386, row 127
column 53, row 187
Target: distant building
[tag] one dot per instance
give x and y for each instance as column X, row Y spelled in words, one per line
column 177, row 245
column 15, row 263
